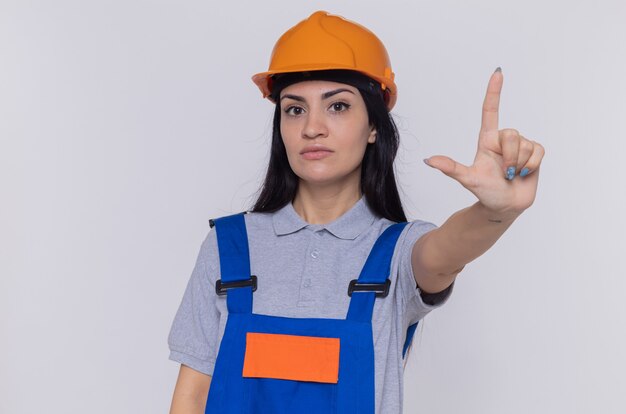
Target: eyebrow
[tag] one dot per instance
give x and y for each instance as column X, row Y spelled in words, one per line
column 325, row 95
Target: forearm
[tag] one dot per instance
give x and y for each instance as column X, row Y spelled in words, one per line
column 187, row 405
column 442, row 253
column 191, row 392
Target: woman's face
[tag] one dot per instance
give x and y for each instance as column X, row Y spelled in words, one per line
column 325, row 129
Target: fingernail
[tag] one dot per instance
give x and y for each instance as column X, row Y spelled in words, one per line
column 498, row 69
column 510, row 173
column 426, row 161
column 524, row 172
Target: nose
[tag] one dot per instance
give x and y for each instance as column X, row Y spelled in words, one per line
column 314, row 125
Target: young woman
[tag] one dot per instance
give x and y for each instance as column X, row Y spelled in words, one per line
column 308, row 302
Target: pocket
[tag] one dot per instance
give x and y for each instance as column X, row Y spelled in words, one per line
column 291, row 373
column 292, row 357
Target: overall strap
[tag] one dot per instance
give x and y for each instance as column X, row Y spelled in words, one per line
column 236, row 282
column 375, row 271
column 409, row 337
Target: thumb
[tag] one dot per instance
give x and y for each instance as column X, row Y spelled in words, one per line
column 447, row 166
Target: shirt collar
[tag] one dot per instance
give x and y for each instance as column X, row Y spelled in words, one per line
column 348, row 226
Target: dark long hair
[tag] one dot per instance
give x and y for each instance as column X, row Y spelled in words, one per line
column 378, row 181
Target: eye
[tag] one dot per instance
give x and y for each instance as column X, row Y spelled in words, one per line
column 294, row 110
column 339, row 107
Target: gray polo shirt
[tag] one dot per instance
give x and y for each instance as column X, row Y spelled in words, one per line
column 303, row 271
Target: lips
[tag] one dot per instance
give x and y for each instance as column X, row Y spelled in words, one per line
column 315, row 148
column 315, row 152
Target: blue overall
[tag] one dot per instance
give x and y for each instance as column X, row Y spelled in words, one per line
column 353, row 392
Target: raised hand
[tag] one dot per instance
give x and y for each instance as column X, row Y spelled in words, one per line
column 505, row 171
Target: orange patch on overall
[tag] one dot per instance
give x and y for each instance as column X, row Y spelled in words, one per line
column 291, row 357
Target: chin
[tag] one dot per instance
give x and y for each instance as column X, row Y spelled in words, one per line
column 322, row 177
column 319, row 180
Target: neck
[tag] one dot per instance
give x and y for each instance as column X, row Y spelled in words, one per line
column 321, row 204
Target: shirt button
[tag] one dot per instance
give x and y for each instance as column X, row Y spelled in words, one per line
column 315, row 254
column 307, row 282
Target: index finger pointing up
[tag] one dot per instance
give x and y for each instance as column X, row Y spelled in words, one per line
column 492, row 102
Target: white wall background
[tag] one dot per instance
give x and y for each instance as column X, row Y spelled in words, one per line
column 126, row 125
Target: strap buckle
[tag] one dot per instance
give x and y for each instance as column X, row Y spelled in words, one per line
column 381, row 289
column 221, row 288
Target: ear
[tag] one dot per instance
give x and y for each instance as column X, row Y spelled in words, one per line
column 372, row 137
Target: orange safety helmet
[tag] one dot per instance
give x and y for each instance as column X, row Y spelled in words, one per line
column 325, row 41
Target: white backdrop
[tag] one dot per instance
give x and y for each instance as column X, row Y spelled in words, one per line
column 126, row 125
